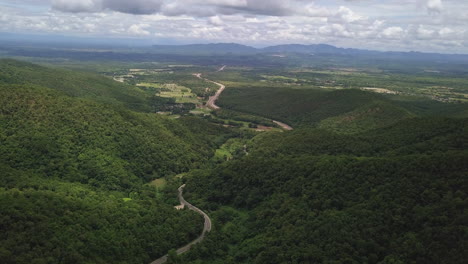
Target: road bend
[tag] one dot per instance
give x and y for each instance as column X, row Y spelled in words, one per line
column 206, row 228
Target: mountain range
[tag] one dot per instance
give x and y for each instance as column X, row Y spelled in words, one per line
column 311, row 49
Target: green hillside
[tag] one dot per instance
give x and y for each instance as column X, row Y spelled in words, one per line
column 84, row 141
column 53, row 221
column 363, row 177
column 396, row 195
column 298, row 107
column 74, row 169
column 377, row 114
column 344, row 111
column 73, row 83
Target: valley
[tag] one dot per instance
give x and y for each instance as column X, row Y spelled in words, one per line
column 287, row 159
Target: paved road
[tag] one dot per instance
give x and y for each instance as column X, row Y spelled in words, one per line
column 221, row 69
column 212, row 100
column 206, row 228
column 283, row 125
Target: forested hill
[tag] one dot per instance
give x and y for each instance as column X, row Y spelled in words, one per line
column 73, row 83
column 75, row 160
column 345, row 111
column 393, row 195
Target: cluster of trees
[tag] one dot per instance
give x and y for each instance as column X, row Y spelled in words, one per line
column 77, row 151
column 83, row 141
column 344, row 111
column 74, row 170
column 295, row 107
column 238, row 116
column 53, row 221
column 74, row 84
column 396, row 195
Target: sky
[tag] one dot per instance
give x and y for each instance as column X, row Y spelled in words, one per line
column 397, row 25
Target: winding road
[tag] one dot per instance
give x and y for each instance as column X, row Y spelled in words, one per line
column 207, row 225
column 212, row 100
column 283, row 125
column 206, row 228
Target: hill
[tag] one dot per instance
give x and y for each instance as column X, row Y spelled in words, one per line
column 310, row 107
column 393, row 195
column 338, row 110
column 298, row 48
column 199, row 49
column 74, row 169
column 374, row 115
column 73, row 83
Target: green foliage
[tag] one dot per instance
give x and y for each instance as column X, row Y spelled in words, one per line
column 74, row 168
column 374, row 115
column 394, row 195
column 239, row 116
column 295, row 107
column 363, row 178
column 73, row 83
column 52, row 221
column 83, row 141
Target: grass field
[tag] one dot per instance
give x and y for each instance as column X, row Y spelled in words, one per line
column 180, row 93
column 159, row 183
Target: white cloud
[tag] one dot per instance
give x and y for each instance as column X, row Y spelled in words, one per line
column 434, row 6
column 392, row 33
column 77, row 6
column 124, row 6
column 139, row 30
column 216, row 21
column 347, row 15
column 425, row 25
column 424, row 33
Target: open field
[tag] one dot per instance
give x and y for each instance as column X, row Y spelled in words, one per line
column 159, row 183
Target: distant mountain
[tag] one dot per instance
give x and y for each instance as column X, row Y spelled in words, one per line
column 298, row 48
column 223, row 48
column 216, row 48
column 315, row 49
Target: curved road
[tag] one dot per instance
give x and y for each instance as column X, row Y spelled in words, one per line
column 206, row 228
column 212, row 100
column 283, row 125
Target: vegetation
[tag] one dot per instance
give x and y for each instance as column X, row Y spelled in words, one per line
column 373, row 172
column 53, row 221
column 75, row 167
column 388, row 196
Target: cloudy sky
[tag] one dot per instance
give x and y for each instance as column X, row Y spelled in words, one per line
column 420, row 25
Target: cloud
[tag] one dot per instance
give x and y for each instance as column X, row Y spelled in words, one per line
column 216, row 21
column 199, row 8
column 425, row 25
column 392, row 33
column 347, row 15
column 434, row 6
column 139, row 29
column 76, row 6
column 124, row 6
column 424, row 33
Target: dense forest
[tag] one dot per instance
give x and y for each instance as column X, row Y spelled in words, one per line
column 343, row 111
column 75, row 163
column 395, row 195
column 362, row 178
